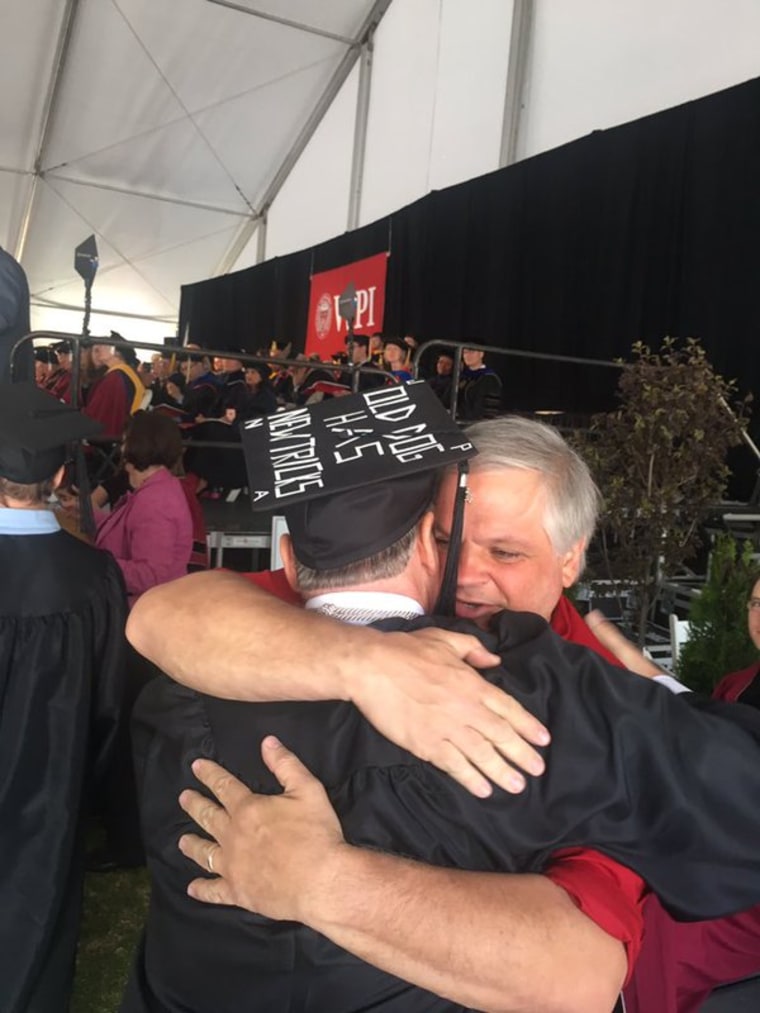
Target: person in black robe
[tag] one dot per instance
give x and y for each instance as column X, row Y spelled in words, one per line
column 643, row 806
column 261, row 399
column 14, row 320
column 202, row 386
column 480, row 389
column 441, row 379
column 62, row 615
column 233, row 392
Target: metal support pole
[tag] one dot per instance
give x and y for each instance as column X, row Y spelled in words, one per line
column 517, row 66
column 360, row 135
column 261, row 240
column 308, row 130
column 48, row 118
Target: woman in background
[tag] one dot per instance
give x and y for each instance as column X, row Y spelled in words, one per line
column 396, row 357
column 260, row 396
column 149, row 531
column 744, row 686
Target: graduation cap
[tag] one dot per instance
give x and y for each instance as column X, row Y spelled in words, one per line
column 353, row 474
column 34, row 432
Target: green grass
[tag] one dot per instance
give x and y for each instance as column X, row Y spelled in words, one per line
column 114, row 910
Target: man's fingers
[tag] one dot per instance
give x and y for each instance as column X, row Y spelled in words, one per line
column 500, row 758
column 476, row 763
column 628, row 654
column 478, row 656
column 286, row 766
column 517, row 717
column 211, row 891
column 207, row 814
column 452, row 761
column 199, row 850
column 223, row 785
column 465, row 646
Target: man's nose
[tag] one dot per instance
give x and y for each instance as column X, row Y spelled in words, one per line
column 471, row 569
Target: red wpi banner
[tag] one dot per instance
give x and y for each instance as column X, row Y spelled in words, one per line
column 326, row 330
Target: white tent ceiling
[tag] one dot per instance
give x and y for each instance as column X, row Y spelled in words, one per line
column 169, row 127
column 165, row 127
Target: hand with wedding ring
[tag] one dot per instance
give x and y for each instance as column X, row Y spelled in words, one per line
column 265, row 850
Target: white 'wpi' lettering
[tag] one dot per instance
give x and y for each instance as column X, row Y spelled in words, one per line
column 365, row 303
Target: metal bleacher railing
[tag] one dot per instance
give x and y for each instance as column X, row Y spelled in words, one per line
column 234, row 526
column 459, row 346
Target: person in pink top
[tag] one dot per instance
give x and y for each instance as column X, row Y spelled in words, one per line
column 150, row 530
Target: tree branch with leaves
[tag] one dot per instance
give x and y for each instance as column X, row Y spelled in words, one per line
column 660, row 462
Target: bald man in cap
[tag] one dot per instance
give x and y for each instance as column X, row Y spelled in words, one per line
column 62, row 616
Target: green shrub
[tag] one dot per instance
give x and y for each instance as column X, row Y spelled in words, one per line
column 718, row 639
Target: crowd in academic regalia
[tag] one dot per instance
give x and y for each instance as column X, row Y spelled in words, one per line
column 209, row 401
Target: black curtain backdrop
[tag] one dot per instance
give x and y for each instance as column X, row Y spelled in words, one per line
column 644, row 230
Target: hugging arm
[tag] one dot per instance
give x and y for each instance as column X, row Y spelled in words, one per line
column 488, row 940
column 218, row 633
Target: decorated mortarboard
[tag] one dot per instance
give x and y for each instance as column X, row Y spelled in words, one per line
column 354, row 474
column 34, row 432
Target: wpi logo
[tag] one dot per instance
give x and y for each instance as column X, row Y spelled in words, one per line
column 323, row 316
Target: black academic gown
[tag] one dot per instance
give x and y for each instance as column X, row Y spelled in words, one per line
column 62, row 615
column 633, row 771
column 14, row 320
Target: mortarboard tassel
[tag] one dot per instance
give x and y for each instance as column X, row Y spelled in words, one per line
column 447, row 596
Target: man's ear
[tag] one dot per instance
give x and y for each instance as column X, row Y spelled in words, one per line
column 572, row 563
column 58, row 477
column 426, row 544
column 289, row 561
